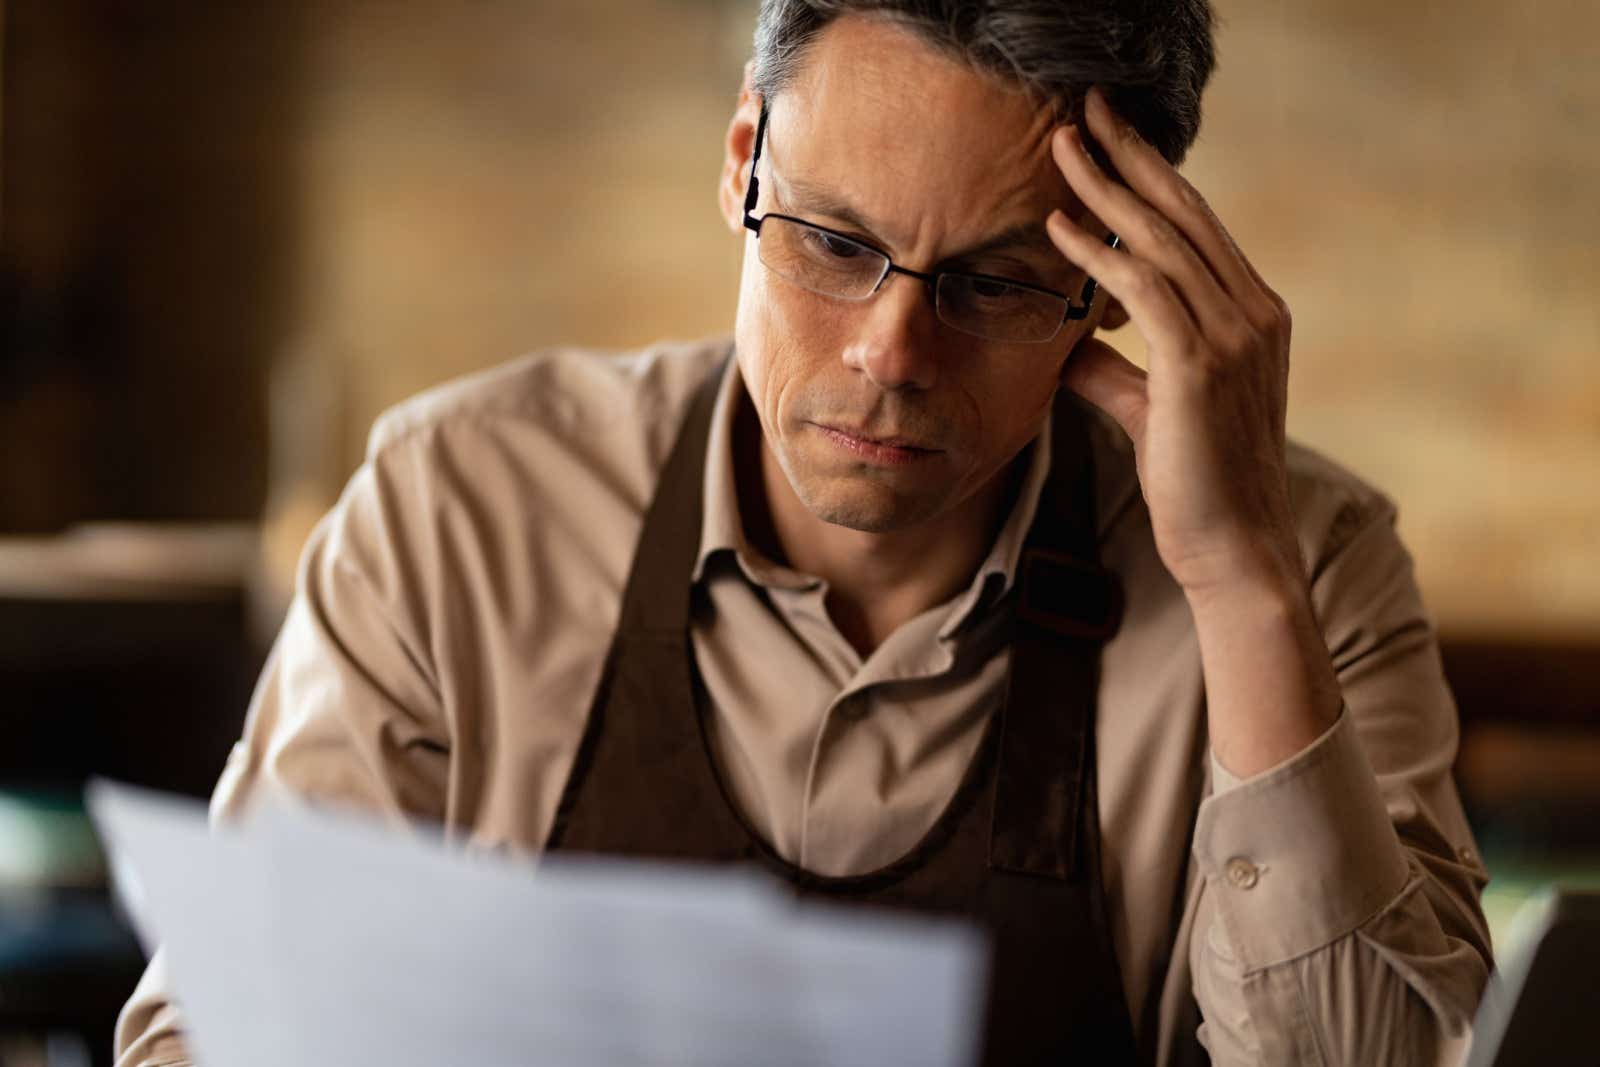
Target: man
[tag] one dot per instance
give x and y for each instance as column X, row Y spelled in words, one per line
column 868, row 598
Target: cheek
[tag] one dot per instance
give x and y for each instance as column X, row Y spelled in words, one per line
column 783, row 339
column 757, row 337
column 1019, row 396
column 762, row 347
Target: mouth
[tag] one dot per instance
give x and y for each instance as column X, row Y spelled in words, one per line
column 887, row 451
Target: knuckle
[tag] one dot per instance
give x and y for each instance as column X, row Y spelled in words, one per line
column 1240, row 337
column 1272, row 318
column 1143, row 279
column 1189, row 198
column 1285, row 320
column 1159, row 230
column 1221, row 360
column 1280, row 307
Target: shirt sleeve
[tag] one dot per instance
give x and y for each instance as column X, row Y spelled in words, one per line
column 1339, row 918
column 346, row 713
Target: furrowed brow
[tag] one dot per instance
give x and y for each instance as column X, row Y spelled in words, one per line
column 808, row 197
column 1023, row 237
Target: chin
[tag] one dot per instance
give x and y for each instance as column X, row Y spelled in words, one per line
column 859, row 504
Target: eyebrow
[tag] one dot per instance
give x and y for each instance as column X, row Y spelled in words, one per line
column 808, row 196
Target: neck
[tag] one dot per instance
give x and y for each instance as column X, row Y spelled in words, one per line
column 876, row 581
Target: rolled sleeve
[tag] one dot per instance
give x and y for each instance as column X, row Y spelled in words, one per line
column 346, row 713
column 149, row 1028
column 1336, row 911
column 1300, row 855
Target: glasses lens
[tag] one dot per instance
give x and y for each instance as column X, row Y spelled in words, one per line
column 999, row 310
column 822, row 262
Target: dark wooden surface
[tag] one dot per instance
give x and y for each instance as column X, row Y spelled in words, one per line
column 1523, row 682
column 146, row 691
column 154, row 692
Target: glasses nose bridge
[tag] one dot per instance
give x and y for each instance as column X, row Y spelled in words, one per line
column 929, row 281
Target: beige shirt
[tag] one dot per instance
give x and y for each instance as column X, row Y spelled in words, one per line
column 453, row 610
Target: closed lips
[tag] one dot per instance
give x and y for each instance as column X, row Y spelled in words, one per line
column 873, row 439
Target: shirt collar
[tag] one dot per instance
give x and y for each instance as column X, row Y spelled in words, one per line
column 999, row 568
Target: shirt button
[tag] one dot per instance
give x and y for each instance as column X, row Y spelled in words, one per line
column 1241, row 873
column 1467, row 855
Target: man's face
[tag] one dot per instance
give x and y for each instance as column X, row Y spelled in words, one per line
column 884, row 138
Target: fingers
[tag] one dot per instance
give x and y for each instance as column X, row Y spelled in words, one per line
column 1150, row 176
column 1153, row 178
column 1105, row 378
column 1160, row 316
column 1145, row 232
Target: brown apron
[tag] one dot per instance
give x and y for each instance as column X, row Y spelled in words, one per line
column 1018, row 848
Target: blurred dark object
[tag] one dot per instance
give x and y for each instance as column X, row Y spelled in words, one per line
column 1540, row 1004
column 125, row 651
column 144, row 279
column 1529, row 767
column 1537, row 682
column 67, row 965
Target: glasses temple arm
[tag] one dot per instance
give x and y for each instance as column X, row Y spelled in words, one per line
column 753, row 191
column 1090, row 287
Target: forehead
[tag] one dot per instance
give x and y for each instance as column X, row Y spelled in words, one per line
column 911, row 133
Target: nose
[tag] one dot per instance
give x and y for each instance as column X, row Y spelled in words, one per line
column 894, row 344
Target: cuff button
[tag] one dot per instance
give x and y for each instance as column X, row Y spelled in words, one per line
column 1241, row 873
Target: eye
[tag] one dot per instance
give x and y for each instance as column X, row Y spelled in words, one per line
column 993, row 293
column 990, row 289
column 832, row 245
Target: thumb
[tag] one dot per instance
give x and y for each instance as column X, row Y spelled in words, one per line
column 1105, row 378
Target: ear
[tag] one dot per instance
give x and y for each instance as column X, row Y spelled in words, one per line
column 738, row 145
column 1107, row 314
column 1115, row 315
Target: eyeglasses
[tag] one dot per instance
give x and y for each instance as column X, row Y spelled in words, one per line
column 831, row 264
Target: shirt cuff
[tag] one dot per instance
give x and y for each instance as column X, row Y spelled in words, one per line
column 1300, row 855
column 1223, row 779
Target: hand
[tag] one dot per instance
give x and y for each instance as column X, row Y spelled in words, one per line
column 1207, row 425
column 1207, row 422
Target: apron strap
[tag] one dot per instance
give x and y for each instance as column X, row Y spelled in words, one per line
column 657, row 598
column 1067, row 606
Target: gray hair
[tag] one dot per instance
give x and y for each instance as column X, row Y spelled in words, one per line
column 1152, row 57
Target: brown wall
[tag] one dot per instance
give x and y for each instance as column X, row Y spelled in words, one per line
column 1420, row 180
column 147, row 237
column 384, row 194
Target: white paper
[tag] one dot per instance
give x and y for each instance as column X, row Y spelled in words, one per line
column 309, row 938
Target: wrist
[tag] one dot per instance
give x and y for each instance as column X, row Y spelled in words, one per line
column 1270, row 685
column 1259, row 578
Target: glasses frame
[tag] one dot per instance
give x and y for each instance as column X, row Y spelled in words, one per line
column 752, row 222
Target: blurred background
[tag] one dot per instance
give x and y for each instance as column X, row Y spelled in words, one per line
column 231, row 234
